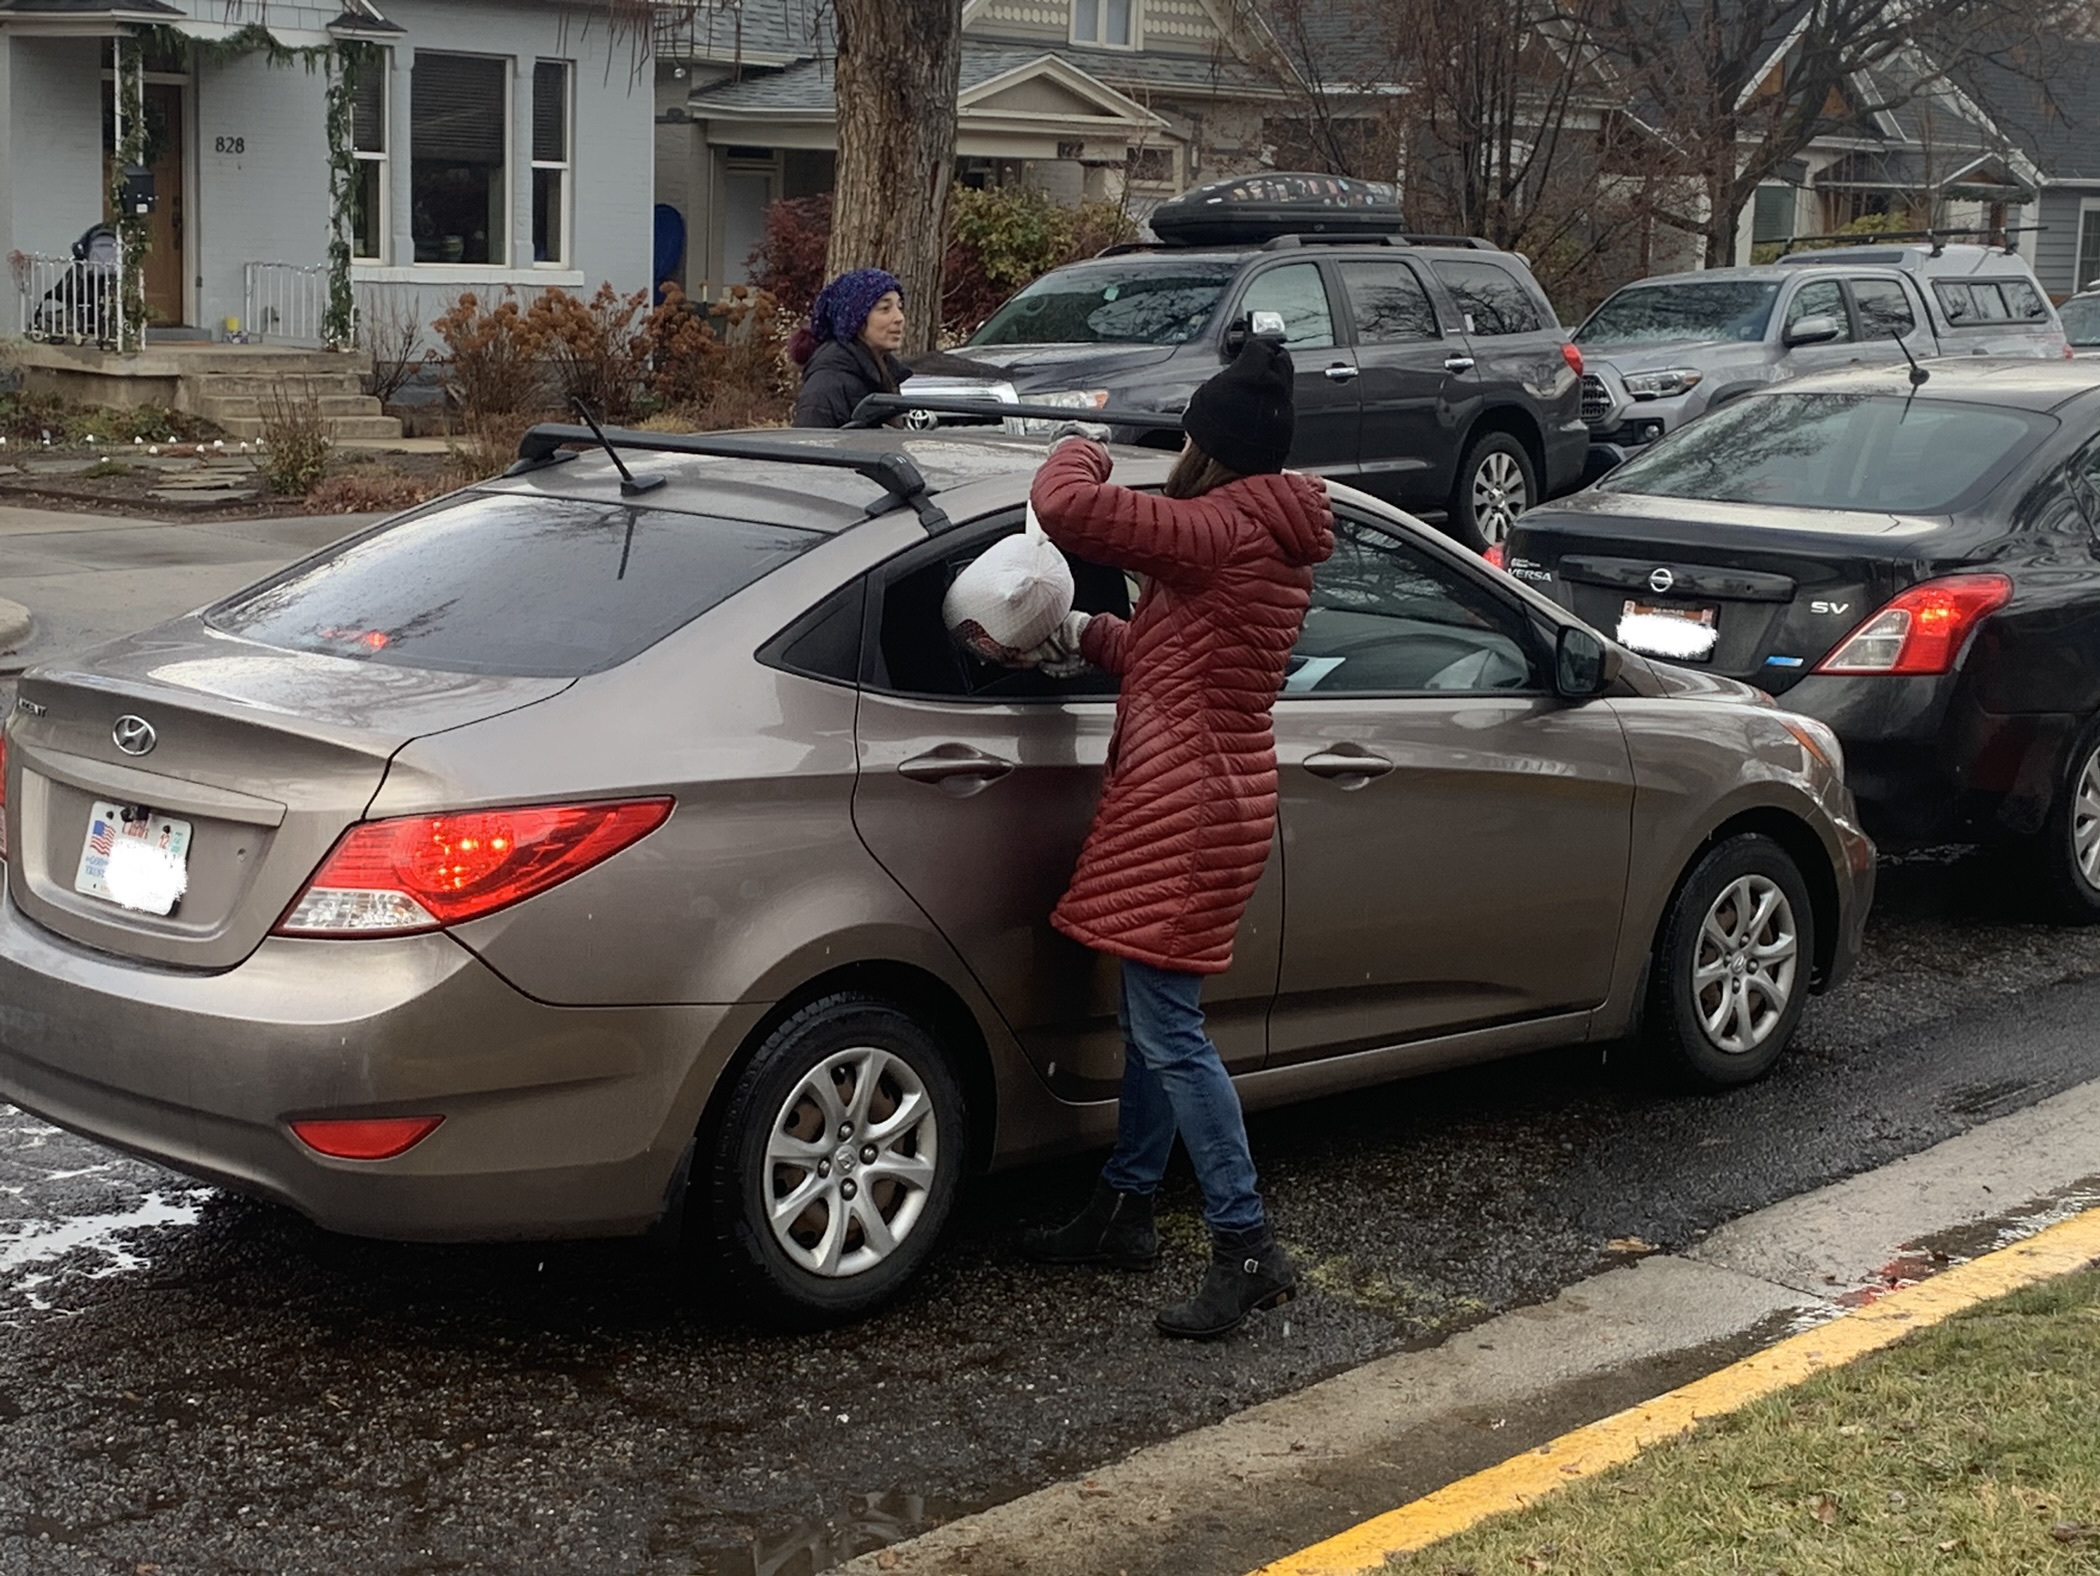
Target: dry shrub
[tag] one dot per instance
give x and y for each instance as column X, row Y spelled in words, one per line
column 389, row 332
column 490, row 365
column 295, row 442
column 595, row 351
column 679, row 352
column 488, row 446
column 366, row 492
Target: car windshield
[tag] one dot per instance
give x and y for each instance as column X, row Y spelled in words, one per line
column 510, row 583
column 1836, row 451
column 1707, row 309
column 2081, row 317
column 1127, row 301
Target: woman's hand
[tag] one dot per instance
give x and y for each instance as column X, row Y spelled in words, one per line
column 1059, row 655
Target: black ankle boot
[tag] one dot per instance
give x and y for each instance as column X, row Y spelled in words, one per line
column 1247, row 1271
column 1114, row 1228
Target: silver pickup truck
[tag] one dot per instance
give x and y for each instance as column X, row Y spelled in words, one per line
column 1664, row 350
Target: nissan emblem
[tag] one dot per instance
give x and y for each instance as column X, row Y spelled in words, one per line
column 1660, row 581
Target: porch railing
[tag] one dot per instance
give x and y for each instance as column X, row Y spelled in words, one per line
column 285, row 303
column 67, row 300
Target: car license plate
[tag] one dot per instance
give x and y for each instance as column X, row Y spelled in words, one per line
column 1683, row 634
column 134, row 857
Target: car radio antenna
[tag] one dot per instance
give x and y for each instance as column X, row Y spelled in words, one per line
column 1918, row 374
column 631, row 486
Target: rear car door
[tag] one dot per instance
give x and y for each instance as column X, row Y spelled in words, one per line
column 1413, row 383
column 1888, row 312
column 1329, row 408
column 1455, row 837
column 977, row 784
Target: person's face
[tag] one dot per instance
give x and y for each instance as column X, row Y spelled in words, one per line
column 885, row 326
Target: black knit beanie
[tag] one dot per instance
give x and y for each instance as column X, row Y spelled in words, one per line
column 1245, row 417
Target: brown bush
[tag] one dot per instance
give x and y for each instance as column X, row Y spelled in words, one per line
column 489, row 367
column 366, row 492
column 295, row 442
column 388, row 332
column 595, row 351
column 488, row 446
column 679, row 352
column 720, row 366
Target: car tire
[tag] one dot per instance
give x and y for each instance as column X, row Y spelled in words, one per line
column 847, row 1086
column 1496, row 483
column 2067, row 850
column 1732, row 964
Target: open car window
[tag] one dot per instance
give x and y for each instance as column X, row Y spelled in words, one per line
column 915, row 655
column 1389, row 619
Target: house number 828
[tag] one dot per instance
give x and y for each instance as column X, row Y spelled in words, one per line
column 229, row 145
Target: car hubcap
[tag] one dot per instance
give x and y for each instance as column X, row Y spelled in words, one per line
column 2085, row 822
column 1743, row 973
column 850, row 1162
column 1499, row 495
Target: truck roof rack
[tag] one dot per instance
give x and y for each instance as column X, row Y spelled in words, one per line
column 876, row 409
column 1999, row 238
column 548, row 443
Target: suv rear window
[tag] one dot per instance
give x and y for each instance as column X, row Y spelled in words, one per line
column 1128, row 301
column 510, row 583
column 1491, row 297
column 1969, row 303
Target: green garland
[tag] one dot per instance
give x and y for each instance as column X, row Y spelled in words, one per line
column 129, row 153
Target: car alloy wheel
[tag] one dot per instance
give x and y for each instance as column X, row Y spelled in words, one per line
column 1500, row 494
column 851, row 1159
column 2085, row 821
column 1745, row 965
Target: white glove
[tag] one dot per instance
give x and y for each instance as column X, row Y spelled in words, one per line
column 1093, row 431
column 1059, row 655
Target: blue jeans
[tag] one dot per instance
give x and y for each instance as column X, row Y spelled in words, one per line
column 1172, row 1078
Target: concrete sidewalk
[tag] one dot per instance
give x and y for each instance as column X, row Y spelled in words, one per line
column 1227, row 1499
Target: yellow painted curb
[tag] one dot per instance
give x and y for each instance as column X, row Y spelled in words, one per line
column 2060, row 1250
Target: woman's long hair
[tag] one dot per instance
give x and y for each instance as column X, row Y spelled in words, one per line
column 1196, row 473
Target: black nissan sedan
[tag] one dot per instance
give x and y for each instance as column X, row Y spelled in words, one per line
column 1911, row 556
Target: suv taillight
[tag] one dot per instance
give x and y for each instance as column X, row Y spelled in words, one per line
column 1923, row 630
column 422, row 872
column 1571, row 353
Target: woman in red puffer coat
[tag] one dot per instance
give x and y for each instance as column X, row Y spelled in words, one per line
column 1188, row 808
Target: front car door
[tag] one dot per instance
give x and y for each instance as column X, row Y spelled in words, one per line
column 1818, row 298
column 977, row 784
column 1413, row 383
column 1329, row 412
column 1455, row 838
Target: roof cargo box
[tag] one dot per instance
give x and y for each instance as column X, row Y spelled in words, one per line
column 1251, row 209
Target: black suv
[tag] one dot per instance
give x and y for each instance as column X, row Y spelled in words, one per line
column 1433, row 375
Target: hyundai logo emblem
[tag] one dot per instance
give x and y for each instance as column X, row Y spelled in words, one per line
column 1660, row 581
column 134, row 735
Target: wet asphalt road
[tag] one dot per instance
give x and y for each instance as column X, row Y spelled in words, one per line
column 193, row 1383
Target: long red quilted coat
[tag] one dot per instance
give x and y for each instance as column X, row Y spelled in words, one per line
column 1189, row 805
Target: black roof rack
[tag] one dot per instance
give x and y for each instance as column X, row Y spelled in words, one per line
column 1938, row 239
column 876, row 409
column 546, row 444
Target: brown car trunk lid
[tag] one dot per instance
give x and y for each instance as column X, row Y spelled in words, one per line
column 266, row 754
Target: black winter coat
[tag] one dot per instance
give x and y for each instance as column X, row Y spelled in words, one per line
column 838, row 377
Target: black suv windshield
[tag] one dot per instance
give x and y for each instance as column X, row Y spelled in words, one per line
column 1878, row 452
column 510, row 583
column 1708, row 309
column 1124, row 301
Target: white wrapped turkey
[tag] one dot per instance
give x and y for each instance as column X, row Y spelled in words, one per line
column 1012, row 597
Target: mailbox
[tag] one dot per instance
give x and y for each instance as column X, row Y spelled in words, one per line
column 138, row 189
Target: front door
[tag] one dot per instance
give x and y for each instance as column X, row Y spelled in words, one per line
column 1329, row 411
column 1409, row 387
column 977, row 784
column 1821, row 298
column 165, row 266
column 1455, row 838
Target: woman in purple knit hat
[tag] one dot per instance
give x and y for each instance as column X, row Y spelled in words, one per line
column 849, row 348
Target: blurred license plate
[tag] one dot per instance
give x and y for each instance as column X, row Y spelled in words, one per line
column 154, row 845
column 1684, row 634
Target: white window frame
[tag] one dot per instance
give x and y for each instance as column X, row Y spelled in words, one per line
column 384, row 228
column 2084, row 269
column 508, row 185
column 566, row 164
column 1097, row 40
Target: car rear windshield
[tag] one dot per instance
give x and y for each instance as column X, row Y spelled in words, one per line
column 1657, row 314
column 1129, row 301
column 1837, row 451
column 510, row 583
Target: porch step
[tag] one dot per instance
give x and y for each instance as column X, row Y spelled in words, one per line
column 209, row 402
column 263, row 385
column 369, row 427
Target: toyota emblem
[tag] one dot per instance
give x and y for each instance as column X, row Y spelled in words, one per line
column 1660, row 581
column 134, row 735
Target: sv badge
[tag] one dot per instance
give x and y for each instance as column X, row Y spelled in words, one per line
column 1830, row 607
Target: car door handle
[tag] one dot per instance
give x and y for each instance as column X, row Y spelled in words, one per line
column 1342, row 372
column 1458, row 363
column 1345, row 763
column 950, row 762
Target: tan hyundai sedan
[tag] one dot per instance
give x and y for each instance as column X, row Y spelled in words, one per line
column 569, row 855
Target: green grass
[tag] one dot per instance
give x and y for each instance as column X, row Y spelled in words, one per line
column 1972, row 1447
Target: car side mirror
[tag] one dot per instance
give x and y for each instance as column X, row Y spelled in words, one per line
column 1819, row 328
column 1583, row 665
column 1256, row 325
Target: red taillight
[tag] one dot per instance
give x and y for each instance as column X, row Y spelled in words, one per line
column 366, row 1138
column 1495, row 554
column 1921, row 631
column 387, row 878
column 1571, row 353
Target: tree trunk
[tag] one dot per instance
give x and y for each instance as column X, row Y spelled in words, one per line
column 899, row 68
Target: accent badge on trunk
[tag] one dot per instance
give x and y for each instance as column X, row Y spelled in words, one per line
column 134, row 735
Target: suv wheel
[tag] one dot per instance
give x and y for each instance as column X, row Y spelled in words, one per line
column 2070, row 841
column 838, row 1160
column 1731, row 971
column 1495, row 485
